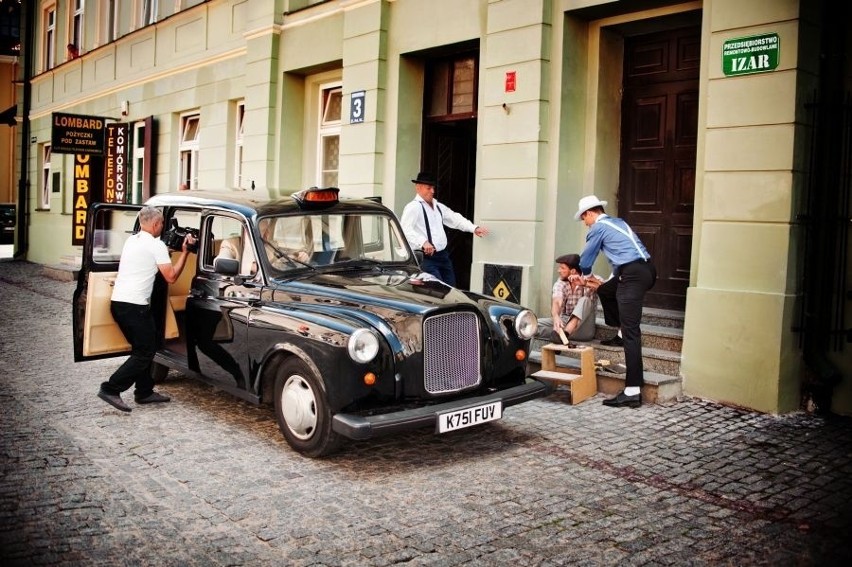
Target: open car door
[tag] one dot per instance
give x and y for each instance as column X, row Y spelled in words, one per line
column 96, row 334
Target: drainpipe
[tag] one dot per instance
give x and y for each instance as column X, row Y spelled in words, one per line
column 23, row 221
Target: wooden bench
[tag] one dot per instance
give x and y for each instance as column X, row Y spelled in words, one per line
column 582, row 386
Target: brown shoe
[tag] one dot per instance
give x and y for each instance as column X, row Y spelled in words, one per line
column 114, row 400
column 154, row 398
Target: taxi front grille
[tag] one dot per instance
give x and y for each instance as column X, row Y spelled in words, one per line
column 451, row 352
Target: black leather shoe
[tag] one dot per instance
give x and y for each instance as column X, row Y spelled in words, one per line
column 114, row 400
column 614, row 341
column 154, row 398
column 623, row 400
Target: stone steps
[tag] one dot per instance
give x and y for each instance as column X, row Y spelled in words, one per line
column 662, row 340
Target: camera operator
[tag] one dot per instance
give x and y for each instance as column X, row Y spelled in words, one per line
column 143, row 255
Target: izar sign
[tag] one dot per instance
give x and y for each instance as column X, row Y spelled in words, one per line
column 752, row 54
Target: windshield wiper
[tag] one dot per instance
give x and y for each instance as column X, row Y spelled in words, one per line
column 361, row 262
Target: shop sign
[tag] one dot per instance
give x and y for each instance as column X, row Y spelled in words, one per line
column 87, row 188
column 751, row 54
column 77, row 134
column 115, row 163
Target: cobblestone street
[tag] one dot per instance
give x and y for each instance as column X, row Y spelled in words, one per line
column 208, row 480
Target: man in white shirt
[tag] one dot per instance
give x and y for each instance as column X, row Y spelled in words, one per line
column 143, row 255
column 423, row 221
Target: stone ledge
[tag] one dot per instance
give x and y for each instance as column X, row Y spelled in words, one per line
column 61, row 272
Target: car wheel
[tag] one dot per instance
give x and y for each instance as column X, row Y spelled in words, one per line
column 302, row 411
column 159, row 372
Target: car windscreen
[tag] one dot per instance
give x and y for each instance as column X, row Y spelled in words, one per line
column 318, row 240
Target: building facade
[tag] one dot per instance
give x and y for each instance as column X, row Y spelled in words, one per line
column 708, row 125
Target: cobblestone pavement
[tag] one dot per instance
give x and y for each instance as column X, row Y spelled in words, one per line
column 209, row 480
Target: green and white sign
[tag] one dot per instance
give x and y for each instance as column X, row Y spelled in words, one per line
column 752, row 54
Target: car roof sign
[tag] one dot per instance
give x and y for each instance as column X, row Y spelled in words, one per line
column 316, row 196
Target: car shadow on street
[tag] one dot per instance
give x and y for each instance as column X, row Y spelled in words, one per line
column 413, row 449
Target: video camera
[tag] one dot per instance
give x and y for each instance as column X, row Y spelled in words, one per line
column 174, row 236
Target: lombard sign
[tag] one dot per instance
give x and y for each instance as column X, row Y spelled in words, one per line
column 752, row 54
column 77, row 134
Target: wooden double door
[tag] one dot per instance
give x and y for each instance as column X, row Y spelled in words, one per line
column 658, row 140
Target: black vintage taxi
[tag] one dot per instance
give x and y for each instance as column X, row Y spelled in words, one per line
column 316, row 305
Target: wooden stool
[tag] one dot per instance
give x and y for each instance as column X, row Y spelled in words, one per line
column 581, row 386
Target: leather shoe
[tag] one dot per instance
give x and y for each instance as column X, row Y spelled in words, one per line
column 622, row 400
column 154, row 398
column 114, row 400
column 614, row 341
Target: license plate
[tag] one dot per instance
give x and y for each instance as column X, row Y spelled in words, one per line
column 462, row 418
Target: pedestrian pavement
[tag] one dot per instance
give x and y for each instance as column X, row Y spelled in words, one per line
column 208, row 480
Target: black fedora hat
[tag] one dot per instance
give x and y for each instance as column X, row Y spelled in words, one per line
column 426, row 178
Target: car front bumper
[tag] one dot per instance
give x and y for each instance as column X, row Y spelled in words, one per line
column 359, row 427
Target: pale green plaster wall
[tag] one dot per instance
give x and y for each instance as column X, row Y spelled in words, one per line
column 514, row 140
column 194, row 61
column 738, row 341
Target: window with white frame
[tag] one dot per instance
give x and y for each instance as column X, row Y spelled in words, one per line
column 239, row 117
column 328, row 152
column 188, row 148
column 146, row 12
column 137, row 163
column 75, row 32
column 49, row 43
column 44, row 194
column 107, row 21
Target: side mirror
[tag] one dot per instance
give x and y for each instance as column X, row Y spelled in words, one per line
column 226, row 266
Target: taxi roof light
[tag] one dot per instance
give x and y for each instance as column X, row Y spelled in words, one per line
column 317, row 195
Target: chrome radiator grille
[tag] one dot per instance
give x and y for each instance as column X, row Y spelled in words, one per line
column 451, row 352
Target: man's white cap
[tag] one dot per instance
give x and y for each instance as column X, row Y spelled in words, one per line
column 586, row 203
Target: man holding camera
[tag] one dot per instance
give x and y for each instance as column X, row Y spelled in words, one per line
column 143, row 255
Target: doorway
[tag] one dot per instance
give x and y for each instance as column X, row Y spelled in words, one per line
column 659, row 129
column 449, row 146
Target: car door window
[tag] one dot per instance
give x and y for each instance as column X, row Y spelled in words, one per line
column 112, row 228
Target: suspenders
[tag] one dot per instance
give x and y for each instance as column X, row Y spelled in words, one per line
column 426, row 220
column 629, row 235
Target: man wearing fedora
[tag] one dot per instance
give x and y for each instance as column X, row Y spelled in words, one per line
column 423, row 221
column 623, row 294
column 573, row 303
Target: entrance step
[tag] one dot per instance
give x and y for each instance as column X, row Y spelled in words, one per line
column 658, row 388
column 662, row 341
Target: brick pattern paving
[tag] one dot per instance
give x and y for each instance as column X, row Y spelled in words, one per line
column 208, row 480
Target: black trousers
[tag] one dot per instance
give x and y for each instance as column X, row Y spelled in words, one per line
column 440, row 265
column 622, row 297
column 137, row 324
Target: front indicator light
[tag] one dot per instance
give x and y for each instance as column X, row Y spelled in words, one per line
column 369, row 378
column 520, row 355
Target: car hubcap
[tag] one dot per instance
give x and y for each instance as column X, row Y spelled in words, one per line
column 299, row 407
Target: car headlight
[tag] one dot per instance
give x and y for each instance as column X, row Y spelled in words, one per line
column 363, row 346
column 526, row 324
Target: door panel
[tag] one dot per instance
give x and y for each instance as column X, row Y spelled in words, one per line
column 96, row 335
column 659, row 132
column 101, row 333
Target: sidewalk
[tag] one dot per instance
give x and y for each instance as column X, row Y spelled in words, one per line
column 208, row 480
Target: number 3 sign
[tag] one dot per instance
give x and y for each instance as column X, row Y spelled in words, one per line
column 356, row 107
